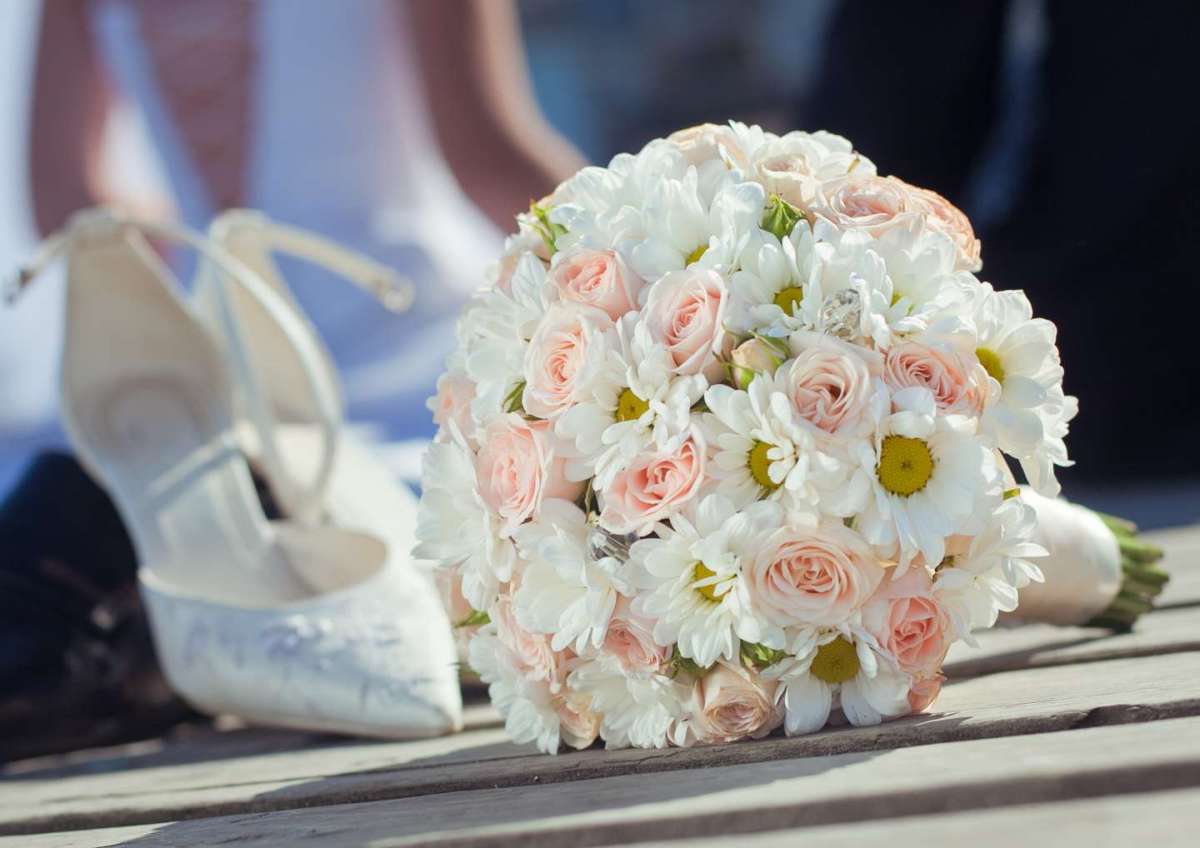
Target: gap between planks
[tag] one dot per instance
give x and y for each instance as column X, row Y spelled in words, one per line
column 1162, row 819
column 1006, row 704
column 722, row 800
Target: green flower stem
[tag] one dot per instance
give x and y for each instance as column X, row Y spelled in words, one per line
column 1143, row 579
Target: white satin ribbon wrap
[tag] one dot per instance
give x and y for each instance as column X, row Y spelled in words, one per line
column 1083, row 570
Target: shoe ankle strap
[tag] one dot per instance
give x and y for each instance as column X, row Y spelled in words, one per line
column 393, row 290
column 104, row 223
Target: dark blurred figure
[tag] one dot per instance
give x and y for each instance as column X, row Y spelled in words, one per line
column 1077, row 160
column 77, row 668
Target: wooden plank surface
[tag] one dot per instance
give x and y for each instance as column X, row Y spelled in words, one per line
column 1161, row 819
column 1028, row 680
column 757, row 797
column 1182, row 562
column 1167, row 631
column 1017, row 702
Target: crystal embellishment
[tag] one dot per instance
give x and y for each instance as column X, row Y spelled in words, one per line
column 841, row 314
column 602, row 544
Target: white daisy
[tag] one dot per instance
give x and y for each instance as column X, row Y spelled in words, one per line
column 761, row 449
column 631, row 401
column 1031, row 416
column 454, row 525
column 495, row 329
column 929, row 478
column 683, row 227
column 528, row 706
column 564, row 590
column 643, row 710
column 976, row 586
column 771, row 281
column 690, row 580
column 841, row 669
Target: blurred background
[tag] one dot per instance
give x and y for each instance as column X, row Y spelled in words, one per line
column 1062, row 130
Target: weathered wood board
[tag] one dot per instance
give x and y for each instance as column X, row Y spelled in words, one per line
column 1028, row 718
column 1161, row 819
column 787, row 793
column 1027, row 701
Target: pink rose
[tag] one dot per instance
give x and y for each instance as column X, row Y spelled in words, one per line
column 909, row 623
column 956, row 386
column 517, row 469
column 946, row 218
column 685, row 313
column 871, row 203
column 829, row 381
column 598, row 278
column 455, row 391
column 706, row 142
column 630, row 639
column 812, row 576
column 924, row 692
column 753, row 356
column 557, row 357
column 654, row 485
column 731, row 703
column 531, row 652
column 578, row 724
column 795, row 166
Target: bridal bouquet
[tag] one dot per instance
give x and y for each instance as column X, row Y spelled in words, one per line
column 723, row 445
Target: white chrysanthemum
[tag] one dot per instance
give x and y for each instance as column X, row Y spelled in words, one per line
column 631, row 402
column 601, row 207
column 454, row 525
column 643, row 710
column 690, row 579
column 900, row 280
column 838, row 668
column 683, row 227
column 762, row 450
column 975, row 587
column 930, row 477
column 1030, row 418
column 770, row 283
column 528, row 706
column 495, row 329
column 564, row 591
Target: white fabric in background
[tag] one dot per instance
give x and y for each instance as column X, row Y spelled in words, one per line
column 341, row 144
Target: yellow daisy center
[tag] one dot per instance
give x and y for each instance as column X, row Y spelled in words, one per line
column 760, row 465
column 695, row 255
column 630, row 407
column 708, row 592
column 905, row 465
column 789, row 299
column 991, row 363
column 836, row 661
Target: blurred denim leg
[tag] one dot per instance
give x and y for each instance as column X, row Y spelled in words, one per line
column 76, row 665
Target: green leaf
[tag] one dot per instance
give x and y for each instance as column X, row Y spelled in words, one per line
column 547, row 229
column 760, row 656
column 680, row 663
column 513, row 401
column 780, row 217
column 475, row 619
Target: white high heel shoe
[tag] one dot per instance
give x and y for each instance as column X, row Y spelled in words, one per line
column 309, row 627
column 293, row 425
